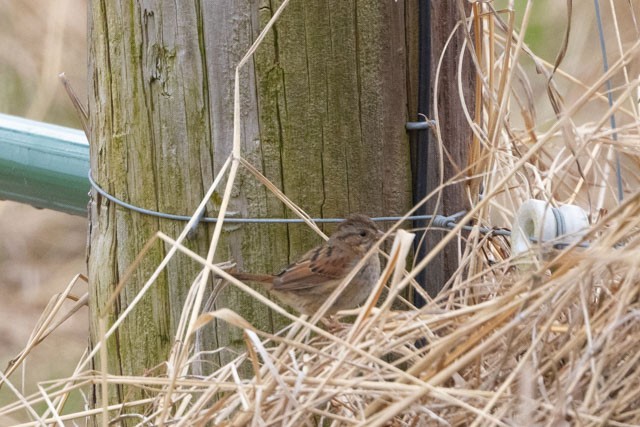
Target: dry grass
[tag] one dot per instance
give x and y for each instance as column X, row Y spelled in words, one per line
column 555, row 345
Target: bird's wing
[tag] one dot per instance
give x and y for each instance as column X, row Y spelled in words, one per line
column 316, row 267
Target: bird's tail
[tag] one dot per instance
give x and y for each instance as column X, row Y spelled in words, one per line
column 249, row 277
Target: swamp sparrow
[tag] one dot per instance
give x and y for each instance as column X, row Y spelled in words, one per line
column 308, row 282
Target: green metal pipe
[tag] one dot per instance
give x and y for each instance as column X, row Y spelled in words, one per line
column 44, row 165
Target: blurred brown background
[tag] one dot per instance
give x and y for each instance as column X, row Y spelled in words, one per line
column 40, row 250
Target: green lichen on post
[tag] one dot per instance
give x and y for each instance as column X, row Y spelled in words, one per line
column 161, row 102
column 332, row 96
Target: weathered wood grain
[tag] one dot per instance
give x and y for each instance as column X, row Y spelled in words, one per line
column 323, row 118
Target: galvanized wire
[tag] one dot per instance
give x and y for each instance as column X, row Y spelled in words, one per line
column 438, row 221
column 612, row 117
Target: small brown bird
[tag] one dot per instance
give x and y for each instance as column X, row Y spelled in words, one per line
column 307, row 283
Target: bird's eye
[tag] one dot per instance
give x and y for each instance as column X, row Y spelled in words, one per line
column 363, row 233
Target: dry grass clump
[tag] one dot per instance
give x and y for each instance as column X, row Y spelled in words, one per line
column 557, row 343
column 553, row 346
column 534, row 348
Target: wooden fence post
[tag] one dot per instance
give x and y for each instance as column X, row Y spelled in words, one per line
column 330, row 84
